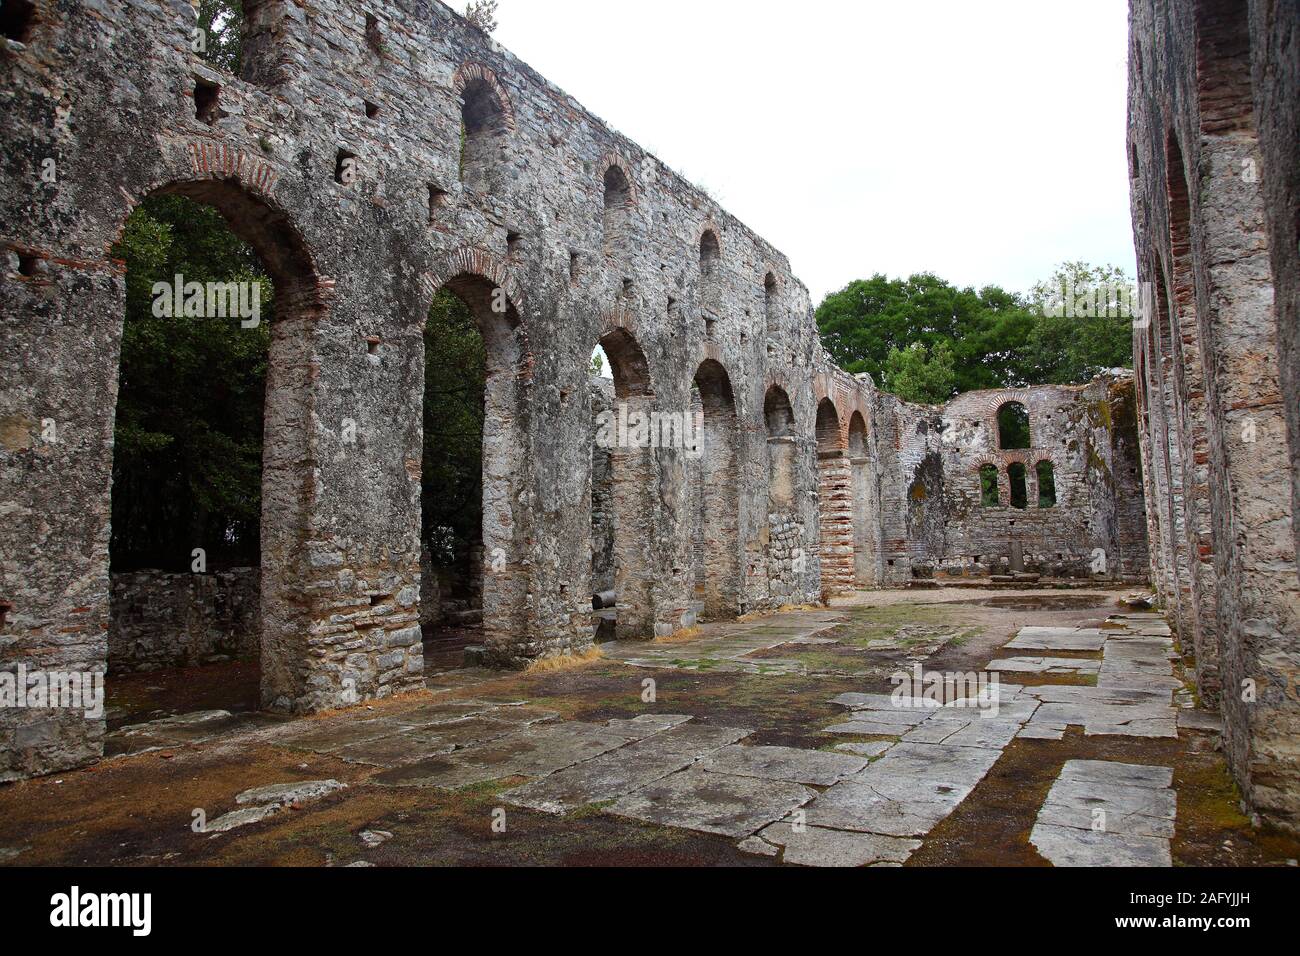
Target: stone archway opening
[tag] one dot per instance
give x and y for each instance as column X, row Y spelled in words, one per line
column 866, row 554
column 485, row 128
column 785, row 543
column 470, row 559
column 1013, row 426
column 209, row 463
column 834, row 502
column 622, row 479
column 714, row 475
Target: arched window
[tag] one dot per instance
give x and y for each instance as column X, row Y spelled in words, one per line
column 770, row 303
column 1017, row 475
column 989, row 494
column 779, row 417
column 1046, row 485
column 483, row 131
column 618, row 202
column 828, row 426
column 710, row 253
column 778, row 414
column 1013, row 426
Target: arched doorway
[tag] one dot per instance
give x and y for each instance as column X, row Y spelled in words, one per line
column 866, row 554
column 623, row 477
column 211, row 463
column 834, row 502
column 472, row 555
column 713, row 469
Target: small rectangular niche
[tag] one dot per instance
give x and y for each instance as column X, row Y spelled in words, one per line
column 514, row 244
column 374, row 38
column 437, row 200
column 18, row 19
column 575, row 266
column 207, row 100
column 372, row 109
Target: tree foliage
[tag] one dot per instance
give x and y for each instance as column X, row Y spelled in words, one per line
column 997, row 339
column 455, row 364
column 222, row 25
column 188, row 440
column 920, row 374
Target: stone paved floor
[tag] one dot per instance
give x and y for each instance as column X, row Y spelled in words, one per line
column 776, row 740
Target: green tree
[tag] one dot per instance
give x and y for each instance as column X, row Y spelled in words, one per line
column 222, row 25
column 188, row 440
column 867, row 320
column 920, row 374
column 1084, row 324
column 998, row 339
column 455, row 369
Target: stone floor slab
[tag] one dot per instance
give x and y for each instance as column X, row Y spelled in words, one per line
column 1058, row 639
column 695, row 799
column 534, row 752
column 813, row 767
column 1067, row 846
column 1045, row 665
column 816, row 846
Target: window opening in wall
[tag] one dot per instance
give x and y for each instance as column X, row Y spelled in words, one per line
column 1016, row 475
column 1013, row 426
column 989, row 495
column 770, row 304
column 1046, row 485
column 17, row 18
column 207, row 97
column 710, row 252
column 618, row 202
column 482, row 133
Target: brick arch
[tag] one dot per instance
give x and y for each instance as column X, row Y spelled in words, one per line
column 469, row 262
column 241, row 188
column 472, row 70
column 612, row 159
column 242, row 193
column 622, row 345
column 827, row 440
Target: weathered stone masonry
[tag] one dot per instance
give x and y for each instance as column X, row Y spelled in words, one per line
column 337, row 156
column 1214, row 109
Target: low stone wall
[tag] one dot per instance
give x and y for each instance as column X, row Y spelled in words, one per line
column 175, row 620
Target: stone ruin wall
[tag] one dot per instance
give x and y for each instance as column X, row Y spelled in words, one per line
column 163, row 620
column 784, row 507
column 1213, row 119
column 1095, row 530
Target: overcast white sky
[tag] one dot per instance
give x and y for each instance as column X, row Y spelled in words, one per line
column 982, row 141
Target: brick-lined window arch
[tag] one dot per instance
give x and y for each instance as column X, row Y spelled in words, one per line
column 1017, row 478
column 1223, row 82
column 771, row 301
column 486, row 122
column 1013, row 426
column 1045, row 471
column 618, row 205
column 710, row 253
column 828, row 426
column 990, row 496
